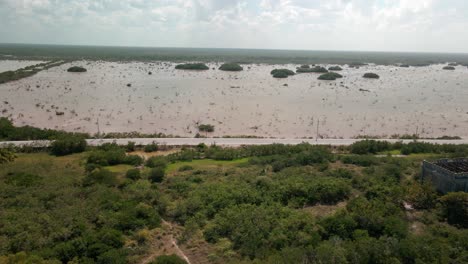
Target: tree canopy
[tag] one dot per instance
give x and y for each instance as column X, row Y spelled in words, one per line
column 230, row 67
column 192, row 66
column 76, row 69
column 370, row 75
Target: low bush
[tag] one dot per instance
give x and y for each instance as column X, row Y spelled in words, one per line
column 151, row 147
column 192, row 66
column 331, row 76
column 370, row 75
column 68, row 145
column 76, row 69
column 281, row 73
column 133, row 174
column 230, row 67
column 157, row 174
column 206, row 128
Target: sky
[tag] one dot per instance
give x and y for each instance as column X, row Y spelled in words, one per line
column 379, row 25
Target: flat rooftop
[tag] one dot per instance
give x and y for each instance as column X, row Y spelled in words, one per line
column 453, row 165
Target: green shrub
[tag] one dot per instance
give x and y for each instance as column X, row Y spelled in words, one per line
column 186, row 168
column 100, row 176
column 360, row 160
column 455, row 208
column 369, row 146
column 157, row 162
column 206, row 128
column 76, row 69
column 6, row 155
column 134, row 160
column 22, row 179
column 331, row 76
column 68, row 145
column 370, row 75
column 157, row 174
column 151, row 147
column 281, row 73
column 230, row 67
column 316, row 69
column 192, row 66
column 133, row 174
column 130, row 146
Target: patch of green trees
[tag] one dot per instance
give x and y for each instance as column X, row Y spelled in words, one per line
column 76, row 69
column 371, row 75
column 206, row 128
column 192, row 66
column 230, row 67
column 281, row 73
column 316, row 69
column 331, row 76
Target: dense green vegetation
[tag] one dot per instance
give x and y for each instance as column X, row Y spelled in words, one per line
column 370, row 75
column 281, row 73
column 253, row 204
column 335, row 68
column 10, row 132
column 317, row 69
column 330, row 76
column 68, row 145
column 76, row 69
column 230, row 67
column 192, row 66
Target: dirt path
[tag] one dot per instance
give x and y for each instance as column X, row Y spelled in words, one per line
column 169, row 238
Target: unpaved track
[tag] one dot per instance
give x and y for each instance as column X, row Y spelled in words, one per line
column 178, row 251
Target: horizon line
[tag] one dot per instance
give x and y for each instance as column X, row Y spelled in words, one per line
column 272, row 49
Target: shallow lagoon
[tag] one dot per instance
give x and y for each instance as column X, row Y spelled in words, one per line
column 427, row 100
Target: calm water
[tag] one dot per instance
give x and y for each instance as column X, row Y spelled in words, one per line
column 221, row 55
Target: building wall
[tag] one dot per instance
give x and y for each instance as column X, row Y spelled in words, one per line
column 444, row 180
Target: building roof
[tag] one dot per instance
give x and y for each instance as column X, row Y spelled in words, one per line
column 459, row 165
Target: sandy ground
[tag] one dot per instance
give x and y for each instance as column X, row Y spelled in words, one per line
column 426, row 100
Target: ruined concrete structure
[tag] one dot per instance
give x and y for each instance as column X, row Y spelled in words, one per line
column 447, row 175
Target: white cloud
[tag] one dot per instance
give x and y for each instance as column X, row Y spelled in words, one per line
column 424, row 25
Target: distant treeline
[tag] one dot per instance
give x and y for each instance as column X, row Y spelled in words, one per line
column 243, row 56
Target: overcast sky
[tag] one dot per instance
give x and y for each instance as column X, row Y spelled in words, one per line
column 380, row 25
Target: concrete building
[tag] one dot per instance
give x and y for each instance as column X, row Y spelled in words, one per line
column 447, row 175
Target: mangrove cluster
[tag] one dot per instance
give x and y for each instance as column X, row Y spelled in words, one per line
column 76, row 69
column 231, row 67
column 316, row 69
column 371, row 75
column 281, row 73
column 331, row 76
column 192, row 66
